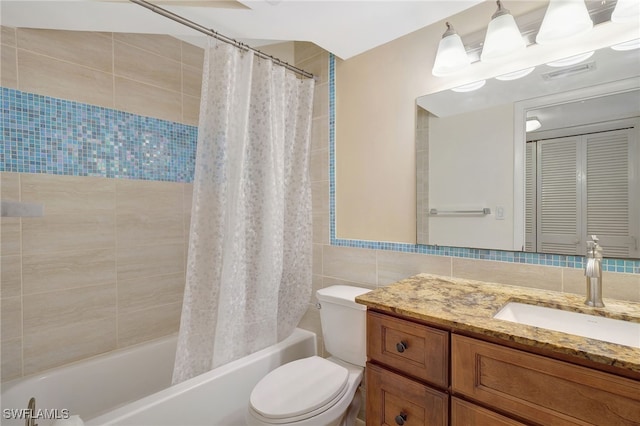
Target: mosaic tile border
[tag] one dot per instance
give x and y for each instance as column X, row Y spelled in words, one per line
column 41, row 134
column 611, row 265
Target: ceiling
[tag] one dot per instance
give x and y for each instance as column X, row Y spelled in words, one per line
column 345, row 28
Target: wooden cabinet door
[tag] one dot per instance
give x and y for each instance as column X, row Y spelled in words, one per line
column 413, row 349
column 539, row 389
column 394, row 400
column 464, row 413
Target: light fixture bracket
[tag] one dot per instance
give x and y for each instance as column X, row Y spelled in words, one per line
column 450, row 30
column 501, row 11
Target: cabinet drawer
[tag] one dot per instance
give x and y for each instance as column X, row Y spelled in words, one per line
column 417, row 350
column 540, row 389
column 464, row 413
column 393, row 399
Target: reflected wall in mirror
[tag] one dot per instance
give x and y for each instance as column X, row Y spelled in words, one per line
column 471, row 155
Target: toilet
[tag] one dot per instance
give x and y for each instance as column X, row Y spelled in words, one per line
column 315, row 391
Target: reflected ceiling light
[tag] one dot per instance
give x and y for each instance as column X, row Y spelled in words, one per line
column 503, row 36
column 571, row 60
column 515, row 75
column 626, row 11
column 627, row 45
column 564, row 19
column 532, row 124
column 469, row 87
column 451, row 57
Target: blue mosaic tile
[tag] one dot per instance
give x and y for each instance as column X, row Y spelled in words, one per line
column 41, row 134
column 578, row 262
column 332, row 148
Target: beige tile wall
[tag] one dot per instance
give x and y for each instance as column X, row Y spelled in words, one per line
column 103, row 268
column 152, row 75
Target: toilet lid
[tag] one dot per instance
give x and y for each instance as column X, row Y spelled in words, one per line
column 298, row 387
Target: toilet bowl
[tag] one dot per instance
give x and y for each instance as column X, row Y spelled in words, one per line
column 311, row 392
column 315, row 391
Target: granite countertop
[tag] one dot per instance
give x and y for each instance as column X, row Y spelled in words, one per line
column 467, row 305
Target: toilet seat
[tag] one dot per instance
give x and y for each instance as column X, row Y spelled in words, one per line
column 299, row 390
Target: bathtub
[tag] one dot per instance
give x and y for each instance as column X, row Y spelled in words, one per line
column 132, row 387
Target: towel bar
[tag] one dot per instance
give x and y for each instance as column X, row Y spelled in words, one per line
column 484, row 211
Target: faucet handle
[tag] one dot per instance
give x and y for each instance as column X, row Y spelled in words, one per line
column 590, row 247
column 593, row 248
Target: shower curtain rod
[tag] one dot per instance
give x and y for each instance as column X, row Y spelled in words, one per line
column 218, row 36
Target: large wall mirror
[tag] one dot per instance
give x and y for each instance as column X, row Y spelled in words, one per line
column 485, row 181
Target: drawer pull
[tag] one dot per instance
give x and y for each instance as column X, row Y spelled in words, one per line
column 400, row 347
column 401, row 418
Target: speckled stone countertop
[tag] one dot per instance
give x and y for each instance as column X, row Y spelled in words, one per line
column 468, row 305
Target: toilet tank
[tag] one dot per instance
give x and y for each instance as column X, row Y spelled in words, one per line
column 344, row 328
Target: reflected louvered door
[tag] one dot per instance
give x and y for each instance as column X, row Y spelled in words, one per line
column 530, row 197
column 610, row 191
column 559, row 197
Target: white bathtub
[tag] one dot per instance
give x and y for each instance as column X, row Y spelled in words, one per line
column 131, row 387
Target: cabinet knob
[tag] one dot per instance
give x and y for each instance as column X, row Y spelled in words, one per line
column 401, row 418
column 400, row 347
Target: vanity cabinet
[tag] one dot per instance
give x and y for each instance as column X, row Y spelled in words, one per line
column 414, row 349
column 540, row 389
column 421, row 375
column 393, row 399
column 407, row 376
column 464, row 413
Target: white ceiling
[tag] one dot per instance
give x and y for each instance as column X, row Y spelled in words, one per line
column 345, row 28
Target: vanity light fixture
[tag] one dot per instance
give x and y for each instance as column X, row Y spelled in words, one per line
column 532, row 124
column 515, row 75
column 503, row 36
column 451, row 57
column 571, row 60
column 627, row 45
column 564, row 19
column 626, row 11
column 470, row 87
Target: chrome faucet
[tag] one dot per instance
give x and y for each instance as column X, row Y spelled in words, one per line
column 31, row 408
column 593, row 272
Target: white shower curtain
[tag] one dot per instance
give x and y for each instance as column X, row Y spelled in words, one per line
column 249, row 262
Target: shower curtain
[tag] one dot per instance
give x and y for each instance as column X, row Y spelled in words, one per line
column 249, row 263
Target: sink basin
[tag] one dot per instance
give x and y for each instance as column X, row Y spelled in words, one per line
column 606, row 329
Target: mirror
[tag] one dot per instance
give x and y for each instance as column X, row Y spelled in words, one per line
column 472, row 158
